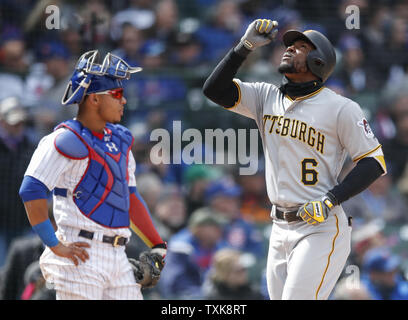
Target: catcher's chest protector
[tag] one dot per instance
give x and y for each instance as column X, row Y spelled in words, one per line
column 102, row 193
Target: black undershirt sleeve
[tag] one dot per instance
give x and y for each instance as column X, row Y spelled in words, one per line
column 366, row 171
column 219, row 86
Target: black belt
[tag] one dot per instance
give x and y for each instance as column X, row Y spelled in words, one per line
column 115, row 241
column 288, row 216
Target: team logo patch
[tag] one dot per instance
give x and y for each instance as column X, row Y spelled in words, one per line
column 366, row 127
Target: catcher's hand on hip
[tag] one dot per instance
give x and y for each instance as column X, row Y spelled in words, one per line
column 259, row 33
column 317, row 211
column 74, row 251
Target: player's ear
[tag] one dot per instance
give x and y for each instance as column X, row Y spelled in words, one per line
column 94, row 99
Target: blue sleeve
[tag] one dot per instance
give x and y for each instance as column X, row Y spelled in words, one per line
column 33, row 189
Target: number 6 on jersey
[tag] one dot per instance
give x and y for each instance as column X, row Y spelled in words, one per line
column 309, row 175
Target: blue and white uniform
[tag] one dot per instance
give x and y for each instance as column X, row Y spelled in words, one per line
column 95, row 199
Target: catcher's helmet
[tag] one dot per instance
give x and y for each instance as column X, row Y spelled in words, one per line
column 320, row 61
column 90, row 77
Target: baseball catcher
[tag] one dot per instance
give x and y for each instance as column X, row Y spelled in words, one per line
column 88, row 165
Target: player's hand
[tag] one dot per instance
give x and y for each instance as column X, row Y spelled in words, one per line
column 74, row 251
column 148, row 268
column 317, row 211
column 160, row 252
column 259, row 33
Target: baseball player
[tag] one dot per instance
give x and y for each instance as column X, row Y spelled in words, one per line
column 307, row 132
column 88, row 164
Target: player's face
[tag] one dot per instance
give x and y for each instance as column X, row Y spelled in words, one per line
column 112, row 105
column 294, row 58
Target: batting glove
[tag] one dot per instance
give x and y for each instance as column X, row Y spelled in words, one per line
column 259, row 33
column 317, row 211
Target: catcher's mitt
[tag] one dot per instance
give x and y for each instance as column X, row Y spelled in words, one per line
column 147, row 269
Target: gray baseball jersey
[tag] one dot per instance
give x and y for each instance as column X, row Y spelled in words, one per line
column 305, row 141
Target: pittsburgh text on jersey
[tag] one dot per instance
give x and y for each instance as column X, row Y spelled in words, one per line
column 296, row 129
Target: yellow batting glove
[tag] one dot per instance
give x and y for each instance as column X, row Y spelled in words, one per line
column 317, row 211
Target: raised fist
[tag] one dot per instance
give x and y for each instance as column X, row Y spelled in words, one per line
column 259, row 33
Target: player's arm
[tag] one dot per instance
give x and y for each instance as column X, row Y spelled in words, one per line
column 358, row 139
column 147, row 269
column 366, row 171
column 34, row 195
column 34, row 191
column 141, row 222
column 219, row 86
column 361, row 144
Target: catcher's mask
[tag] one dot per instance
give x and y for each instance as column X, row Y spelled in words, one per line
column 91, row 77
column 320, row 61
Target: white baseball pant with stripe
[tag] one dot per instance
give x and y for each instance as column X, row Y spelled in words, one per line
column 305, row 261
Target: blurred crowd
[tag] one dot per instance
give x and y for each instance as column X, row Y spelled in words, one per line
column 216, row 222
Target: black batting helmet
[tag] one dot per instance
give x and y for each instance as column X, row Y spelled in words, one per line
column 320, row 61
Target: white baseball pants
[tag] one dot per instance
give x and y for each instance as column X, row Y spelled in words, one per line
column 305, row 261
column 106, row 275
